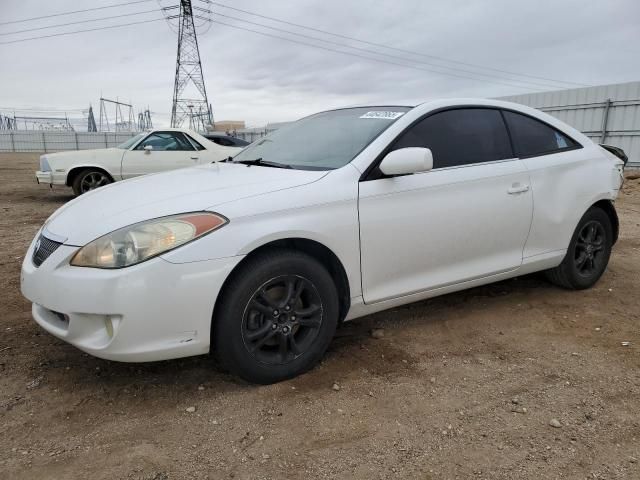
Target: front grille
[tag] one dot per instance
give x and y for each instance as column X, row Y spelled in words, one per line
column 44, row 248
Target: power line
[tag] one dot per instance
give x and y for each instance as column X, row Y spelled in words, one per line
column 370, row 58
column 82, row 31
column 370, row 52
column 274, row 36
column 78, row 22
column 396, row 57
column 75, row 11
column 389, row 47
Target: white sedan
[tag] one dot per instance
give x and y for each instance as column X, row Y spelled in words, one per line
column 150, row 152
column 338, row 215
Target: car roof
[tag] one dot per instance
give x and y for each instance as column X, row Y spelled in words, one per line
column 436, row 103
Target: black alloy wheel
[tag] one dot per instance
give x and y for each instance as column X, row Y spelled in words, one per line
column 282, row 319
column 589, row 252
column 275, row 316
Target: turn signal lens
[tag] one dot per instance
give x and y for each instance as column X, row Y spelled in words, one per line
column 142, row 241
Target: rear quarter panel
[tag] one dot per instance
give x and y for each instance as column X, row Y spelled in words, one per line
column 564, row 186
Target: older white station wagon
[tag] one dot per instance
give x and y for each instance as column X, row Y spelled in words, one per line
column 338, row 215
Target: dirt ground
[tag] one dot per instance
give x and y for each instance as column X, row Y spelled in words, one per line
column 462, row 386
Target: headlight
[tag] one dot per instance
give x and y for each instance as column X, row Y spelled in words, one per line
column 44, row 164
column 145, row 240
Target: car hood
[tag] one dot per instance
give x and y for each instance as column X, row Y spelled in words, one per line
column 205, row 187
column 75, row 156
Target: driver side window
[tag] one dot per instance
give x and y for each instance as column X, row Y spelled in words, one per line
column 166, row 141
column 459, row 137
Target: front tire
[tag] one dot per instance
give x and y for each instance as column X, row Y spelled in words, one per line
column 276, row 317
column 588, row 253
column 90, row 179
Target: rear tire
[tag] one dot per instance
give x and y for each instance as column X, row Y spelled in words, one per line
column 90, row 179
column 276, row 317
column 588, row 253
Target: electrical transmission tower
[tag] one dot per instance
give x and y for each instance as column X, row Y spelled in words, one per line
column 91, row 121
column 8, row 123
column 121, row 123
column 144, row 120
column 189, row 93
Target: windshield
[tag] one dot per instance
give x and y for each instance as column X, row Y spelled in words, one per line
column 131, row 142
column 323, row 141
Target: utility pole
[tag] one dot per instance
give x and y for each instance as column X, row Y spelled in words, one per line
column 189, row 93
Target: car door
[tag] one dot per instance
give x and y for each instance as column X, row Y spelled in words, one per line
column 467, row 218
column 159, row 151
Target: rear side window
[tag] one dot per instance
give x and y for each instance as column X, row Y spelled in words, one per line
column 532, row 137
column 195, row 143
column 460, row 137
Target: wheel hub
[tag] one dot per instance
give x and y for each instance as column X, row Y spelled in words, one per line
column 282, row 319
column 589, row 247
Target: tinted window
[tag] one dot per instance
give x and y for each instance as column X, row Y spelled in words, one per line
column 460, row 137
column 225, row 142
column 238, row 142
column 533, row 137
column 166, row 141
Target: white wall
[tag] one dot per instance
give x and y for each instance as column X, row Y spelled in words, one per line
column 586, row 110
column 55, row 141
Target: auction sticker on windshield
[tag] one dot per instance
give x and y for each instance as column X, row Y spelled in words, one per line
column 385, row 115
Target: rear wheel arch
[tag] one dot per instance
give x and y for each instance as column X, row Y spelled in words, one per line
column 591, row 241
column 610, row 210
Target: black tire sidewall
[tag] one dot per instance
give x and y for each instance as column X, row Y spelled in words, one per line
column 577, row 280
column 77, row 182
column 227, row 338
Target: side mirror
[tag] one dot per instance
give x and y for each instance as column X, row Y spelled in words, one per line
column 148, row 148
column 408, row 160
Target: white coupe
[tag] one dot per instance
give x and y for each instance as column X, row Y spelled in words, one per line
column 338, row 215
column 149, row 152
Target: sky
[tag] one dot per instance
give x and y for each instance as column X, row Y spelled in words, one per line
column 261, row 79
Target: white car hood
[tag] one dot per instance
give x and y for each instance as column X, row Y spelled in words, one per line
column 187, row 190
column 61, row 159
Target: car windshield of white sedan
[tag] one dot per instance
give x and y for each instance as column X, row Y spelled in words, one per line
column 131, row 142
column 323, row 141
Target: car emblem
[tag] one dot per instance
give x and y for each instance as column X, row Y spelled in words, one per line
column 37, row 247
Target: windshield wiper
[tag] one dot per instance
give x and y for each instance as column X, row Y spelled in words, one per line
column 263, row 163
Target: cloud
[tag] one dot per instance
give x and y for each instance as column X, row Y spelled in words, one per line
column 262, row 79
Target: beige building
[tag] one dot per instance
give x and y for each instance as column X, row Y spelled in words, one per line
column 228, row 125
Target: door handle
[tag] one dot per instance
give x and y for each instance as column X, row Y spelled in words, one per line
column 194, row 158
column 518, row 188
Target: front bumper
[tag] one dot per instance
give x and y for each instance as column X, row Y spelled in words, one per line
column 51, row 178
column 155, row 310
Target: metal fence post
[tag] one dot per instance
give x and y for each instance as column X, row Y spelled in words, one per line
column 605, row 120
column 106, row 142
column 13, row 143
column 75, row 135
column 44, row 142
